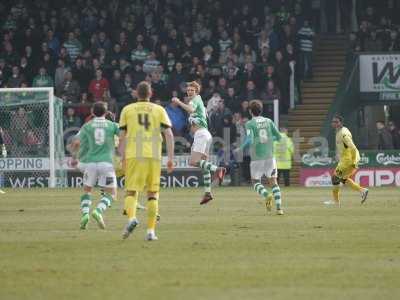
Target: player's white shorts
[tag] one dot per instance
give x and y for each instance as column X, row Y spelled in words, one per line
column 266, row 167
column 202, row 140
column 101, row 173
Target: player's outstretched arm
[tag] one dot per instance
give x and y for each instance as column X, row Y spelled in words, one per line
column 188, row 108
column 169, row 139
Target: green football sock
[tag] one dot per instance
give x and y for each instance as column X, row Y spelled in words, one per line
column 261, row 190
column 85, row 203
column 105, row 202
column 276, row 191
column 207, row 181
column 207, row 166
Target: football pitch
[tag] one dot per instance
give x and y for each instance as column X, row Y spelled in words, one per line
column 228, row 249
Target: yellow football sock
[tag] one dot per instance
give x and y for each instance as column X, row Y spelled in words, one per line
column 335, row 193
column 152, row 210
column 130, row 206
column 353, row 185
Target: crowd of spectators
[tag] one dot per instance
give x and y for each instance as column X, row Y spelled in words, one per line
column 99, row 50
column 379, row 31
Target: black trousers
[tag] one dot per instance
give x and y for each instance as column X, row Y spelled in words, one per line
column 285, row 173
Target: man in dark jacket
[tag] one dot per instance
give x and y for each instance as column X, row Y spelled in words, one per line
column 395, row 132
column 385, row 140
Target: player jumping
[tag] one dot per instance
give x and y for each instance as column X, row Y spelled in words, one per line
column 202, row 138
column 140, row 142
column 97, row 138
column 349, row 157
column 261, row 133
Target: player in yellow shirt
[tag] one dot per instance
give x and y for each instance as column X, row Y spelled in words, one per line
column 140, row 143
column 349, row 157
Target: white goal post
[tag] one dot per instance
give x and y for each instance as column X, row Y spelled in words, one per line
column 15, row 104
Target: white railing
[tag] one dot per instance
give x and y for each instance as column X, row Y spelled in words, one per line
column 276, row 112
column 291, row 91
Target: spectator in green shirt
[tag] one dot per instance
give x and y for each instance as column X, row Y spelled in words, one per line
column 42, row 79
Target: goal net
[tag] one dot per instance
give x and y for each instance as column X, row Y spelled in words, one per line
column 31, row 122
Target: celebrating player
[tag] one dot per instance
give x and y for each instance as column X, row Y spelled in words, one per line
column 141, row 124
column 260, row 136
column 202, row 138
column 349, row 157
column 96, row 138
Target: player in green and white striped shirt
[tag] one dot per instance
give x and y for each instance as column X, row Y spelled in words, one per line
column 202, row 138
column 97, row 144
column 261, row 133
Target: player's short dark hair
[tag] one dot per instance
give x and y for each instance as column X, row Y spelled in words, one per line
column 99, row 109
column 143, row 90
column 256, row 107
column 110, row 116
column 339, row 117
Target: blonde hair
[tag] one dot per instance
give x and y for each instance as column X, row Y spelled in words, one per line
column 195, row 85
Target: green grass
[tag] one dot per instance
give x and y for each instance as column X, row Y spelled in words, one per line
column 228, row 249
